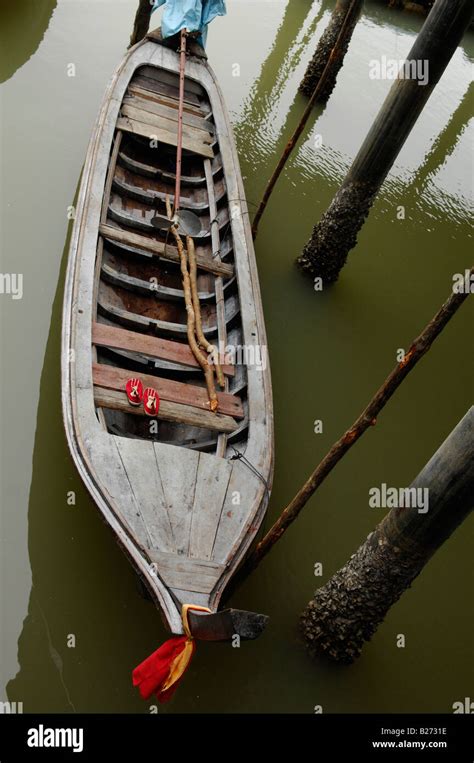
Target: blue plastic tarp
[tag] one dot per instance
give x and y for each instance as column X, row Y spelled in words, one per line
column 193, row 15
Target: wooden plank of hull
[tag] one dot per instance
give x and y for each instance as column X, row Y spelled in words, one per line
column 183, row 597
column 152, row 132
column 108, row 466
column 213, row 480
column 174, row 412
column 219, row 284
column 191, row 575
column 159, row 249
column 148, row 170
column 114, row 378
column 136, row 188
column 235, row 520
column 114, row 311
column 202, row 252
column 139, row 217
column 116, row 277
column 121, row 339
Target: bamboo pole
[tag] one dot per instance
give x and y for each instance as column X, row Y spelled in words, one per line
column 142, row 21
column 335, row 235
column 325, row 46
column 366, row 419
column 348, row 609
column 302, row 123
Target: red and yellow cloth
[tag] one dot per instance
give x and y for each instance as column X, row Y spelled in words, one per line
column 162, row 671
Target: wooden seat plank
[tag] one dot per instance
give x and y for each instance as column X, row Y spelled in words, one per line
column 172, row 80
column 131, row 341
column 163, row 136
column 158, row 248
column 160, row 87
column 114, row 378
column 144, row 91
column 138, row 99
column 174, row 412
column 146, row 116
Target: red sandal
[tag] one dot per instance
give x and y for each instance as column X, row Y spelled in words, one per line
column 151, row 401
column 134, row 390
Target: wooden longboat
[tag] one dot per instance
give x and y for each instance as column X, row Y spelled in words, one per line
column 186, row 493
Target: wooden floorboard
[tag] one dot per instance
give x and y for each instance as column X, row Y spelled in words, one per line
column 178, row 469
column 139, row 463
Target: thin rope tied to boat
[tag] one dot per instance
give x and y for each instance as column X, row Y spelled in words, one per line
column 238, row 456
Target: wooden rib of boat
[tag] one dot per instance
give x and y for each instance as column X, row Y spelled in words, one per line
column 184, row 494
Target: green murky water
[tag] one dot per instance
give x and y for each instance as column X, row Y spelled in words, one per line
column 61, row 572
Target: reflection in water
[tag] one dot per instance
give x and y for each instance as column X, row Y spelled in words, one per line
column 22, row 27
column 446, row 141
column 271, row 112
column 51, row 547
column 78, row 573
column 255, row 130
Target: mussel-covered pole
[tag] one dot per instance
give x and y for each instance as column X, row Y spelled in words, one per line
column 336, row 234
column 326, row 45
column 348, row 609
column 142, row 21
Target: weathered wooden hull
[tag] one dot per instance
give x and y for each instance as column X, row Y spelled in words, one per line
column 183, row 509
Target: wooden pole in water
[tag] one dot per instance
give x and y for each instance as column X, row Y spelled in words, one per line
column 347, row 611
column 336, row 234
column 302, row 123
column 142, row 21
column 326, row 44
column 368, row 418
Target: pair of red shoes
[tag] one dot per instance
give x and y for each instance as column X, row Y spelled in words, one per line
column 137, row 395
